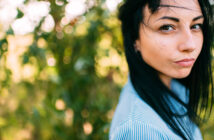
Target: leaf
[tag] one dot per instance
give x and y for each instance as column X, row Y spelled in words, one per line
column 20, row 14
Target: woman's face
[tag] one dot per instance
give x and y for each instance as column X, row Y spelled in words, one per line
column 171, row 39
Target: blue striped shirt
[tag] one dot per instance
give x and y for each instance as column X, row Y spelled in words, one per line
column 134, row 119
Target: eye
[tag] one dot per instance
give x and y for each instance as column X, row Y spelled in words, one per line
column 167, row 28
column 197, row 27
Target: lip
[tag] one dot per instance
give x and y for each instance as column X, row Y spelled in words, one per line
column 186, row 62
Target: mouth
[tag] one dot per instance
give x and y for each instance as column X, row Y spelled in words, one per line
column 186, row 62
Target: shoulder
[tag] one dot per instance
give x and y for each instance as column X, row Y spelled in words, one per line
column 134, row 118
column 139, row 122
column 132, row 108
column 136, row 130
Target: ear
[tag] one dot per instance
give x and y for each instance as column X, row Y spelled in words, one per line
column 137, row 45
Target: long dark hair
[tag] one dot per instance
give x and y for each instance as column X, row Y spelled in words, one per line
column 199, row 83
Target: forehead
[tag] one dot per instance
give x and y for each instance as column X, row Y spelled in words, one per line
column 182, row 8
column 182, row 3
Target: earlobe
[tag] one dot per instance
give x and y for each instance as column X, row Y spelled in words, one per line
column 136, row 45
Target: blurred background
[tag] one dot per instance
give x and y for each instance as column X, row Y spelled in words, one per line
column 62, row 67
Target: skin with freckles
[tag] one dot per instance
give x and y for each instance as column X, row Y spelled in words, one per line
column 171, row 39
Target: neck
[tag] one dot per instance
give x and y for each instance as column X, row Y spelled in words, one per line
column 166, row 80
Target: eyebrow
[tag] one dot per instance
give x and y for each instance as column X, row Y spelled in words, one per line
column 177, row 20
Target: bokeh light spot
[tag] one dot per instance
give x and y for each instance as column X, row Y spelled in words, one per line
column 69, row 115
column 60, row 104
column 51, row 62
column 88, row 128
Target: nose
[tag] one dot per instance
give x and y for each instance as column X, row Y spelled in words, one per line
column 187, row 42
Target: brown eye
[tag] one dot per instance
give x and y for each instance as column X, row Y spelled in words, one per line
column 197, row 27
column 166, row 28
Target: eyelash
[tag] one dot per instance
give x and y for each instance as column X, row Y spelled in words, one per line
column 200, row 26
column 165, row 28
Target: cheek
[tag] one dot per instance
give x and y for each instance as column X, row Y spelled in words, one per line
column 165, row 48
column 199, row 44
column 157, row 52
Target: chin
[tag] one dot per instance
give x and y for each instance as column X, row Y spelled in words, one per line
column 182, row 74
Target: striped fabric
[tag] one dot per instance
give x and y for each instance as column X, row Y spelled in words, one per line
column 136, row 120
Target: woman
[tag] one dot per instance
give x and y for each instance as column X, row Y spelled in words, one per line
column 169, row 92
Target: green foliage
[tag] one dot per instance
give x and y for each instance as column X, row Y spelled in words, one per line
column 61, row 99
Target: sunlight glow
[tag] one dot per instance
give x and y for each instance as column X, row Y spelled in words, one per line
column 23, row 134
column 22, row 26
column 60, row 104
column 37, row 10
column 41, row 43
column 112, row 4
column 88, row 128
column 75, row 8
column 7, row 15
column 51, row 61
column 12, row 104
column 48, row 24
column 8, row 12
column 69, row 116
column 17, row 46
column 59, row 2
column 13, row 3
column 34, row 12
column 28, row 72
